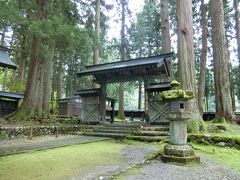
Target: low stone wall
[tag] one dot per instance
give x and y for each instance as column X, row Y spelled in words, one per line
column 223, row 141
column 28, row 132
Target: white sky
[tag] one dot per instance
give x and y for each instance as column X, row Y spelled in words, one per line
column 135, row 7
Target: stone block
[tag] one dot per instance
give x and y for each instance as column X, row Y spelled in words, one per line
column 181, row 151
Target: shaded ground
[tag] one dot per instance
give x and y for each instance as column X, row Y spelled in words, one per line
column 8, row 147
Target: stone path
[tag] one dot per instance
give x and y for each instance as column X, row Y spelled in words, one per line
column 8, row 147
column 132, row 155
column 209, row 170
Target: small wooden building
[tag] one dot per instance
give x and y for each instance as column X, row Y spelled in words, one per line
column 69, row 106
column 90, row 111
column 86, row 104
column 9, row 102
column 149, row 70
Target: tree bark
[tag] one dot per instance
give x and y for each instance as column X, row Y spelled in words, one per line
column 39, row 91
column 232, row 87
column 237, row 27
column 223, row 98
column 121, row 114
column 47, row 81
column 201, row 86
column 4, row 85
column 186, row 63
column 165, row 31
column 23, row 57
column 96, row 38
column 59, row 85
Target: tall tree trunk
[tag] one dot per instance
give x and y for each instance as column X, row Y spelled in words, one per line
column 96, row 38
column 23, row 57
column 5, row 79
column 59, row 85
column 165, row 31
column 237, row 27
column 5, row 69
column 202, row 84
column 223, row 98
column 39, row 91
column 122, row 53
column 3, row 36
column 232, row 87
column 29, row 106
column 186, row 63
column 47, row 81
column 206, row 104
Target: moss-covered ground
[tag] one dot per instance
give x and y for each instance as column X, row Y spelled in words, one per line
column 227, row 156
column 71, row 161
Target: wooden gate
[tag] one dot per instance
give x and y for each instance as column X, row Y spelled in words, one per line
column 157, row 109
column 90, row 109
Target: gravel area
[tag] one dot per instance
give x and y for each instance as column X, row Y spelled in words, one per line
column 131, row 154
column 209, row 170
column 136, row 154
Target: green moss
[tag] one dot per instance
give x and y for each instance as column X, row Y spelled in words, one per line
column 17, row 86
column 193, row 126
column 228, row 129
column 196, row 125
column 174, row 83
column 176, row 95
column 211, row 138
column 117, row 119
column 226, row 156
column 61, row 163
column 219, row 120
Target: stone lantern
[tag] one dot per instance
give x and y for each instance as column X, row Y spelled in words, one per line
column 177, row 151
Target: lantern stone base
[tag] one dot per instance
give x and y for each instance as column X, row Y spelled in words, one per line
column 179, row 154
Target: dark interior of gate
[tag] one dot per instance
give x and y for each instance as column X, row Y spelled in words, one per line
column 153, row 71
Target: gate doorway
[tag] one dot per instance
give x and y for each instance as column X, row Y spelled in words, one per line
column 153, row 71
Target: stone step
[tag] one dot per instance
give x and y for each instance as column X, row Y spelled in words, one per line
column 125, row 131
column 151, row 133
column 160, row 123
column 103, row 134
column 148, row 138
column 155, row 128
column 124, row 125
column 117, row 128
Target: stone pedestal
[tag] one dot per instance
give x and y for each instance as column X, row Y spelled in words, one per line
column 178, row 151
column 179, row 154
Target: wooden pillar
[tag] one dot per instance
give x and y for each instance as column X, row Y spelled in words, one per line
column 103, row 102
column 146, row 98
column 112, row 115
